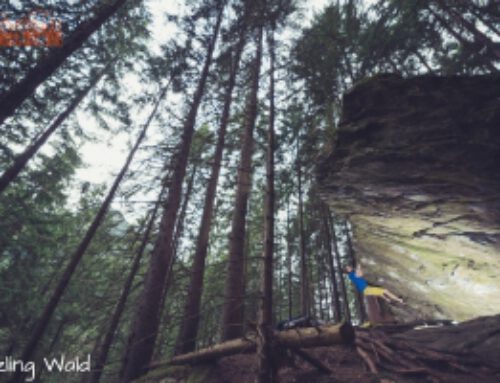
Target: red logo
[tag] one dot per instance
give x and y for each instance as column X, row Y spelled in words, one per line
column 35, row 30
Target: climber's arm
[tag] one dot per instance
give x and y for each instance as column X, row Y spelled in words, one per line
column 359, row 272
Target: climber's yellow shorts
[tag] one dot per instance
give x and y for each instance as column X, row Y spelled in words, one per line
column 370, row 290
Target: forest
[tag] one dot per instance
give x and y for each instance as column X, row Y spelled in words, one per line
column 164, row 190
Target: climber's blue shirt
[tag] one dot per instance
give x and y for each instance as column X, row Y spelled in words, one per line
column 359, row 282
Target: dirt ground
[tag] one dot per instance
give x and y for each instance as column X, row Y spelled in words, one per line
column 343, row 361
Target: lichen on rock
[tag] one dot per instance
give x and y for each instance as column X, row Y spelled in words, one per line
column 414, row 166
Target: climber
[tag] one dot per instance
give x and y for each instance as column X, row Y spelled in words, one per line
column 363, row 287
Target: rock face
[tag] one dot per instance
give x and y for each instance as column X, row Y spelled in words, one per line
column 416, row 168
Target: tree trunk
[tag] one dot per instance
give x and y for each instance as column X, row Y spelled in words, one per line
column 343, row 289
column 59, row 331
column 179, row 227
column 295, row 338
column 147, row 317
column 48, row 64
column 335, row 289
column 100, row 361
column 352, row 257
column 188, row 332
column 423, row 61
column 289, row 260
column 49, row 309
column 265, row 322
column 22, row 159
column 304, row 275
column 233, row 310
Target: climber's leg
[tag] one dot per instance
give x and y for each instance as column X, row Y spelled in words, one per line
column 391, row 296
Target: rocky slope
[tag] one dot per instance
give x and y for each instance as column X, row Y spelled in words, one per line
column 415, row 166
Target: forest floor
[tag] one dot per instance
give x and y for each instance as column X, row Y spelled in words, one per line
column 344, row 362
column 400, row 353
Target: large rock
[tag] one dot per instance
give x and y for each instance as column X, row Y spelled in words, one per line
column 416, row 167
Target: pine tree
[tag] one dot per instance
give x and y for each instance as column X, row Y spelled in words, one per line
column 267, row 370
column 189, row 326
column 145, row 326
column 233, row 309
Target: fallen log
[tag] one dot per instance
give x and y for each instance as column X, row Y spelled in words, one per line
column 296, row 338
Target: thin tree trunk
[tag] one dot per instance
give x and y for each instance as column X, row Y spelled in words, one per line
column 233, row 309
column 335, row 289
column 352, row 256
column 267, row 370
column 47, row 66
column 448, row 27
column 319, row 268
column 49, row 309
column 164, row 318
column 289, row 260
column 55, row 339
column 304, row 275
column 423, row 61
column 179, row 228
column 188, row 332
column 147, row 317
column 22, row 159
column 100, row 361
column 343, row 289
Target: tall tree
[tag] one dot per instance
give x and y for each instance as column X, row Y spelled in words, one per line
column 75, row 259
column 343, row 287
column 49, row 64
column 145, row 326
column 331, row 266
column 289, row 261
column 233, row 309
column 189, row 326
column 305, row 301
column 353, row 260
column 265, row 321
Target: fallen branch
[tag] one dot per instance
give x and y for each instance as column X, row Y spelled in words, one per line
column 312, row 361
column 366, row 358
